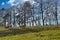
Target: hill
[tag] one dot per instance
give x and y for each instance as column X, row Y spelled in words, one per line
column 31, row 33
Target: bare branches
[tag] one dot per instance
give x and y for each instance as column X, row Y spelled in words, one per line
column 42, row 12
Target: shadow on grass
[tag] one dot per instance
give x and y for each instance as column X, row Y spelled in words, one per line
column 23, row 31
column 16, row 31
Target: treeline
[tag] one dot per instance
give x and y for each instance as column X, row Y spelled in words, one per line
column 36, row 13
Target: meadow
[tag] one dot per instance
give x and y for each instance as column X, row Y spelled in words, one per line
column 31, row 33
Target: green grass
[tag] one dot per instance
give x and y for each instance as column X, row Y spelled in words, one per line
column 31, row 33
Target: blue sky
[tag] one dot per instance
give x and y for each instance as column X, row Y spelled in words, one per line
column 9, row 3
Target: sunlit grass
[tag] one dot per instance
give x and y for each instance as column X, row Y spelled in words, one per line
column 31, row 33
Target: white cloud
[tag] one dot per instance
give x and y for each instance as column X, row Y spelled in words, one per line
column 25, row 0
column 33, row 2
column 2, row 3
column 14, row 4
column 18, row 1
column 11, row 2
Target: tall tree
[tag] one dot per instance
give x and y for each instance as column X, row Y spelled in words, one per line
column 56, row 14
column 27, row 11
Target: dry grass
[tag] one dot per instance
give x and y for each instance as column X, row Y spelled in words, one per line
column 31, row 33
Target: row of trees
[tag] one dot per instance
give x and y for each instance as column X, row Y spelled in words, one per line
column 41, row 12
column 48, row 10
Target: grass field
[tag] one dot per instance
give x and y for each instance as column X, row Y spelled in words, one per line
column 31, row 33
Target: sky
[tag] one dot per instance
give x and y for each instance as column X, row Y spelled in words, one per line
column 10, row 3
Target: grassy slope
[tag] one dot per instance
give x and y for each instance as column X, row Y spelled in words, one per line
column 31, row 33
